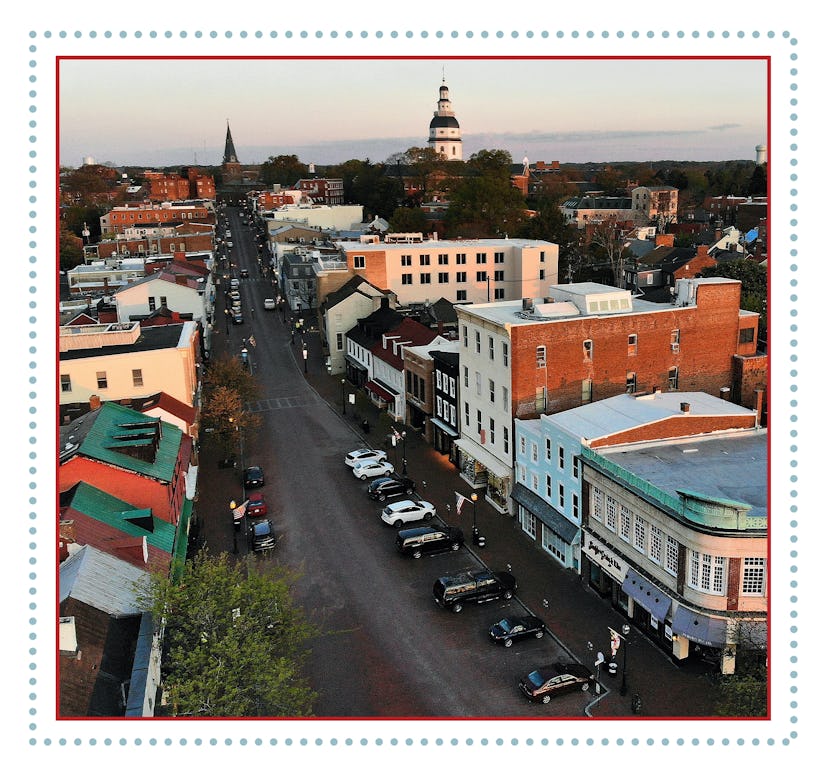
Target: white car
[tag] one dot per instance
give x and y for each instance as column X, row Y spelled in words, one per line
column 364, row 454
column 269, row 304
column 366, row 469
column 407, row 512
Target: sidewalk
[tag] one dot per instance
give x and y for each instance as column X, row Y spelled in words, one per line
column 576, row 615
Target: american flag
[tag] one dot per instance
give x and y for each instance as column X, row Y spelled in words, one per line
column 615, row 641
column 460, row 499
column 239, row 511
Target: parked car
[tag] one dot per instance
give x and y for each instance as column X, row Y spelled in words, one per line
column 473, row 587
column 429, row 539
column 253, row 477
column 256, row 505
column 407, row 511
column 383, row 488
column 556, row 679
column 269, row 304
column 368, row 469
column 238, row 318
column 510, row 629
column 233, row 295
column 234, row 284
column 262, row 536
column 364, row 454
column 245, row 273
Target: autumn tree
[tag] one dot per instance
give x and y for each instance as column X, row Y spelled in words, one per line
column 607, row 244
column 229, row 389
column 234, row 640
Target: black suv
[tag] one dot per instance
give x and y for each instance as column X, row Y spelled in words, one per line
column 262, row 536
column 385, row 487
column 473, row 587
column 428, row 539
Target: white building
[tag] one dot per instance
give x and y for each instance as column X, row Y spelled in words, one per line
column 332, row 217
column 444, row 129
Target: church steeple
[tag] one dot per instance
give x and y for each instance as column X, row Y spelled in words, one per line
column 229, row 149
column 444, row 130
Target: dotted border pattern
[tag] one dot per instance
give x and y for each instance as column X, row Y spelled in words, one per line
column 47, row 253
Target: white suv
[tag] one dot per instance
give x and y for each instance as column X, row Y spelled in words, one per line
column 407, row 511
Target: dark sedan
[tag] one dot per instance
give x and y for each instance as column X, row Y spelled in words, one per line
column 386, row 487
column 556, row 679
column 253, row 477
column 510, row 629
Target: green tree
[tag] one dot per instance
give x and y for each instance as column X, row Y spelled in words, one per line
column 234, row 641
column 408, row 219
column 284, row 169
column 229, row 388
column 549, row 224
column 754, row 279
column 70, row 249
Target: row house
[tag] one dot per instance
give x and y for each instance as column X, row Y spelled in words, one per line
column 326, row 217
column 123, row 361
column 154, row 241
column 465, row 271
column 548, row 486
column 657, row 204
column 580, row 211
column 131, row 214
column 361, row 339
column 421, row 377
column 190, row 183
column 446, row 414
column 322, row 191
column 387, row 383
column 675, row 536
column 585, row 342
column 105, row 277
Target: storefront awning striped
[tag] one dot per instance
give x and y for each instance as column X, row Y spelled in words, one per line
column 710, row 631
column 652, row 598
column 374, row 388
column 547, row 514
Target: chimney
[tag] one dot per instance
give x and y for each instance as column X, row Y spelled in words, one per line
column 701, row 251
column 685, row 407
column 527, row 303
column 758, row 401
column 724, row 393
column 94, row 403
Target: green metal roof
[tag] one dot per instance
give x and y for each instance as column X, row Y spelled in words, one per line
column 181, row 540
column 118, row 429
column 106, row 508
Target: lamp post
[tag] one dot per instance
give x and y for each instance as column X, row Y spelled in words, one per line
column 343, row 395
column 305, row 356
column 475, row 532
column 226, row 321
column 405, row 463
column 625, row 631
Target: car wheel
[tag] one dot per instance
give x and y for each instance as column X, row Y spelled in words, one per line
column 585, row 686
column 539, row 635
column 547, row 698
column 507, row 643
column 398, row 524
column 507, row 595
column 409, row 491
column 426, row 516
column 457, row 607
column 416, row 554
column 364, row 477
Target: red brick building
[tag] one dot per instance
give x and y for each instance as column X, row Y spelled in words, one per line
column 323, row 191
column 152, row 214
column 190, row 183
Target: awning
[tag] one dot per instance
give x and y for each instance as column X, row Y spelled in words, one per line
column 356, row 364
column 710, row 631
column 485, row 458
column 378, row 390
column 548, row 515
column 443, row 427
column 653, row 599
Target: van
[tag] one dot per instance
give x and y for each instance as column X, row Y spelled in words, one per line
column 475, row 587
column 428, row 539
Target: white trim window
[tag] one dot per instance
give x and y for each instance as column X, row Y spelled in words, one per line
column 612, row 514
column 753, row 576
column 707, row 572
column 596, row 498
column 640, row 534
column 671, row 556
column 656, row 544
column 528, row 522
column 625, row 524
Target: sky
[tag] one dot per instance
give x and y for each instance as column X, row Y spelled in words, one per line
column 176, row 111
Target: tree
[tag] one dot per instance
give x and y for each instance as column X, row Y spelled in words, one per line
column 408, row 219
column 549, row 223
column 284, row 170
column 71, row 249
column 754, row 279
column 745, row 692
column 229, row 388
column 234, row 641
column 607, row 243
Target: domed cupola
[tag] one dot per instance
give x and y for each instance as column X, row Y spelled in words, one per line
column 444, row 129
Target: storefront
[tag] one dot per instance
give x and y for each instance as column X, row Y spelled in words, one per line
column 650, row 606
column 557, row 535
column 604, row 570
column 481, row 469
column 444, row 437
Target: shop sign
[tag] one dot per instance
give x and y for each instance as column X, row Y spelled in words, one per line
column 603, row 556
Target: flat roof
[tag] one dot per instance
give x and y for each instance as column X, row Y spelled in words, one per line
column 355, row 245
column 733, row 467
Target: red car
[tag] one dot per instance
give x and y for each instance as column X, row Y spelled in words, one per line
column 256, row 505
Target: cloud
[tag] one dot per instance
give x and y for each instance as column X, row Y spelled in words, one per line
column 722, row 127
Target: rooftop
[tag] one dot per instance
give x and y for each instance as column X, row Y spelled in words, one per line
column 508, row 242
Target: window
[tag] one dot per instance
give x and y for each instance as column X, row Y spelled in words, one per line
column 656, row 544
column 491, row 391
column 587, row 350
column 746, row 336
column 506, row 439
column 425, row 277
column 542, row 274
column 101, row 376
column 630, row 382
column 543, row 256
column 65, row 383
column 452, row 384
column 597, row 504
column 465, row 337
column 576, row 507
column 586, row 391
column 482, row 277
column 151, row 302
column 505, row 354
column 443, row 277
column 534, row 451
column 479, row 421
column 548, row 449
column 499, row 275
column 612, row 514
column 453, row 416
column 528, row 522
column 340, row 339
column 674, row 340
column 442, row 258
column 425, row 259
column 499, row 257
column 523, row 445
column 460, row 258
column 405, row 260
column 560, row 457
column 359, row 262
column 466, row 413
column 753, row 576
column 575, row 471
column 505, row 397
column 707, row 572
column 625, row 520
column 671, row 556
column 163, row 301
column 407, row 279
column 491, row 348
column 461, row 296
column 137, row 378
column 540, row 399
column 439, row 380
column 461, row 277
column 491, row 431
column 466, row 376
column 535, row 482
column 672, row 378
column 548, row 486
column 561, row 495
column 540, row 356
column 478, row 381
column 477, row 342
column 640, row 534
column 480, row 258
column 632, row 344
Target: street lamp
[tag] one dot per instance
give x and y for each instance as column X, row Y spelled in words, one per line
column 475, row 532
column 625, row 630
column 305, row 356
column 405, row 463
column 226, row 321
column 343, row 395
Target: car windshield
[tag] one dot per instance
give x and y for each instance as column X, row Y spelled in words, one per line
column 535, row 679
column 261, row 529
column 504, row 624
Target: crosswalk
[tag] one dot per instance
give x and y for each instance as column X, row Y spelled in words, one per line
column 283, row 403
